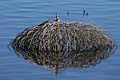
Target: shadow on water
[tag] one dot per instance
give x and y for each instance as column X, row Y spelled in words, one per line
column 58, row 45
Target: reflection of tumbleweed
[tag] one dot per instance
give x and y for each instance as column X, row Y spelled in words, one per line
column 57, row 44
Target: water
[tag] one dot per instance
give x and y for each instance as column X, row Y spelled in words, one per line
column 16, row 15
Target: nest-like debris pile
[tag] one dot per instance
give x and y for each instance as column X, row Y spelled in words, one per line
column 58, row 44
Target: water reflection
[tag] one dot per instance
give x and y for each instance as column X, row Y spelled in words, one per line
column 57, row 45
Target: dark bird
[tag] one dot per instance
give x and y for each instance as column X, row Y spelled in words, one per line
column 85, row 12
column 67, row 12
column 57, row 18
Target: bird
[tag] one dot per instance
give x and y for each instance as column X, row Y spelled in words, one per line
column 67, row 12
column 85, row 12
column 57, row 18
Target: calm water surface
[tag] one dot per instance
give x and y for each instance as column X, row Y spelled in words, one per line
column 16, row 15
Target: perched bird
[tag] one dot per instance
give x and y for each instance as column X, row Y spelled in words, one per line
column 57, row 18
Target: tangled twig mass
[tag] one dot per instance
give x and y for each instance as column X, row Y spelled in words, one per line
column 58, row 44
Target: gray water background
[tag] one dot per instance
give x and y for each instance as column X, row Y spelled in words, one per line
column 16, row 15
